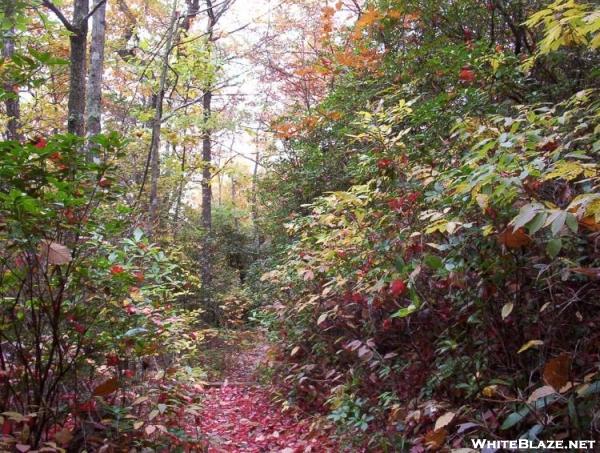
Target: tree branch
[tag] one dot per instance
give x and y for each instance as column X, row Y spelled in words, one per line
column 94, row 9
column 52, row 7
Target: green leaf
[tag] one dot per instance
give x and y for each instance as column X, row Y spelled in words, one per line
column 433, row 261
column 572, row 222
column 515, row 418
column 537, row 222
column 553, row 247
column 558, row 223
column 404, row 312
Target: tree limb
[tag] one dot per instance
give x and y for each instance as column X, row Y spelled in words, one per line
column 52, row 7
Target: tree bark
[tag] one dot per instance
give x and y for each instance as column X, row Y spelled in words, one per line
column 254, row 212
column 13, row 110
column 206, row 215
column 156, row 124
column 180, row 189
column 96, row 72
column 78, row 41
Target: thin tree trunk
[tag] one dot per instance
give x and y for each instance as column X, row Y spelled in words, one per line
column 96, row 72
column 254, row 212
column 13, row 110
column 78, row 40
column 156, row 124
column 207, row 163
column 180, row 190
column 206, row 215
column 236, row 223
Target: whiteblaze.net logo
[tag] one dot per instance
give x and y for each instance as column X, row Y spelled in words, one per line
column 526, row 444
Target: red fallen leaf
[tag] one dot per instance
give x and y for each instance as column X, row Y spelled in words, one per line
column 116, row 269
column 139, row 276
column 412, row 197
column 387, row 324
column 55, row 156
column 128, row 373
column 112, row 360
column 396, row 204
column 357, row 298
column 40, row 143
column 466, row 74
column 6, row 427
column 397, row 288
column 382, row 164
column 88, row 406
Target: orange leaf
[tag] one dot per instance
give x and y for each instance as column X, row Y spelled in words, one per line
column 589, row 223
column 514, row 239
column 435, row 439
column 368, row 18
column 556, row 371
column 106, row 388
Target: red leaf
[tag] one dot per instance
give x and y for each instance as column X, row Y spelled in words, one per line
column 397, row 288
column 466, row 74
column 116, row 269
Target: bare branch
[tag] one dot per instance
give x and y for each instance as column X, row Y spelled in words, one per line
column 94, row 9
column 52, row 7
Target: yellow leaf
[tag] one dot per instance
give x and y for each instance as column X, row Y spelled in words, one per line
column 507, row 310
column 530, row 344
column 489, row 391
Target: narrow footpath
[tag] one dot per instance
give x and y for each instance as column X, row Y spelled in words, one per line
column 239, row 414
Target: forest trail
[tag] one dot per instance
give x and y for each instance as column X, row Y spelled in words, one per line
column 240, row 415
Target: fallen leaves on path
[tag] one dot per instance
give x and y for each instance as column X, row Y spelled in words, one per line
column 242, row 417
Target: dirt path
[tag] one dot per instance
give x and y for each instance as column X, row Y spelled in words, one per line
column 240, row 416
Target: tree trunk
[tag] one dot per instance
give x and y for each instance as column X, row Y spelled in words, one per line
column 254, row 212
column 180, row 189
column 78, row 40
column 12, row 103
column 157, row 122
column 206, row 216
column 96, row 72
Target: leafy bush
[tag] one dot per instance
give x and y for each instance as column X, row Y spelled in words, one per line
column 87, row 305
